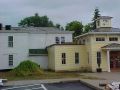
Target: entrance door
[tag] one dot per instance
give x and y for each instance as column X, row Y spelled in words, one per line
column 115, row 60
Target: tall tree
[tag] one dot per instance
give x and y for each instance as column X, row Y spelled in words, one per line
column 75, row 26
column 36, row 21
column 96, row 15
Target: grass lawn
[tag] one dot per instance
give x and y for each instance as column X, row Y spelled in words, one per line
column 46, row 75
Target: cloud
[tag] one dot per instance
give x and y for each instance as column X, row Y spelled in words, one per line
column 59, row 11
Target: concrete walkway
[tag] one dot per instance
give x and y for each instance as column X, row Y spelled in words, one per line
column 108, row 77
column 27, row 82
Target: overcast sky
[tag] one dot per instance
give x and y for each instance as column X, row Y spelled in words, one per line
column 59, row 11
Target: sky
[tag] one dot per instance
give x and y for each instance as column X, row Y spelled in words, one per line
column 59, row 11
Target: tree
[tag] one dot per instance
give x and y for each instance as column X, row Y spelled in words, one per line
column 36, row 21
column 75, row 26
column 87, row 27
column 58, row 26
column 96, row 15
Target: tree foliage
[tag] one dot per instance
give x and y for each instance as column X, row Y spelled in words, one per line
column 75, row 26
column 87, row 27
column 36, row 21
column 58, row 26
column 96, row 15
column 91, row 26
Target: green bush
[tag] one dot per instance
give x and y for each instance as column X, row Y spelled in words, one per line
column 27, row 68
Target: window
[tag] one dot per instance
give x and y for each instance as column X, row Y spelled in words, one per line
column 113, row 39
column 100, row 39
column 63, row 58
column 84, row 41
column 10, row 60
column 10, row 41
column 37, row 52
column 62, row 40
column 99, row 58
column 105, row 20
column 76, row 58
column 88, row 58
column 57, row 40
column 98, row 22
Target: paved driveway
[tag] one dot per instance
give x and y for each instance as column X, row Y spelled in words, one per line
column 52, row 86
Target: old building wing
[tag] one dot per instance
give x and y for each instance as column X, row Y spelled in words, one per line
column 97, row 50
column 28, row 43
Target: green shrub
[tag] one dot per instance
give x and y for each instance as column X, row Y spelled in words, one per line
column 27, row 68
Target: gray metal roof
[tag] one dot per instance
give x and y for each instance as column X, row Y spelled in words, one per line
column 103, row 30
column 37, row 30
column 106, row 29
column 104, row 17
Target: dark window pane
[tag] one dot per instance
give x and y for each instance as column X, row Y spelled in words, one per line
column 10, row 60
column 76, row 58
column 62, row 40
column 10, row 38
column 100, row 39
column 63, row 58
column 57, row 40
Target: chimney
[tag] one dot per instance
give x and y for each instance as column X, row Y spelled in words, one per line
column 0, row 26
column 7, row 27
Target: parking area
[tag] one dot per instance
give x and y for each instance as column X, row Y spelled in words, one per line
column 51, row 86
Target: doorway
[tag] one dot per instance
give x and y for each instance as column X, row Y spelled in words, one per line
column 115, row 60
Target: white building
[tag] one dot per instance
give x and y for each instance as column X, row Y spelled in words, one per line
column 20, row 44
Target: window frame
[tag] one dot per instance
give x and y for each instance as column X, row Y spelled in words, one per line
column 57, row 40
column 113, row 38
column 99, row 58
column 98, row 22
column 63, row 56
column 77, row 58
column 100, row 38
column 10, row 58
column 10, row 41
column 62, row 40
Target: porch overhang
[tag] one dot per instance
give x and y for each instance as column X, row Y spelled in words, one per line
column 112, row 46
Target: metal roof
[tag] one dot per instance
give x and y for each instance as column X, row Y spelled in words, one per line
column 36, row 30
column 106, row 29
column 103, row 30
column 105, row 17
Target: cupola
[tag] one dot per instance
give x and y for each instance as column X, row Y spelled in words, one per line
column 103, row 21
